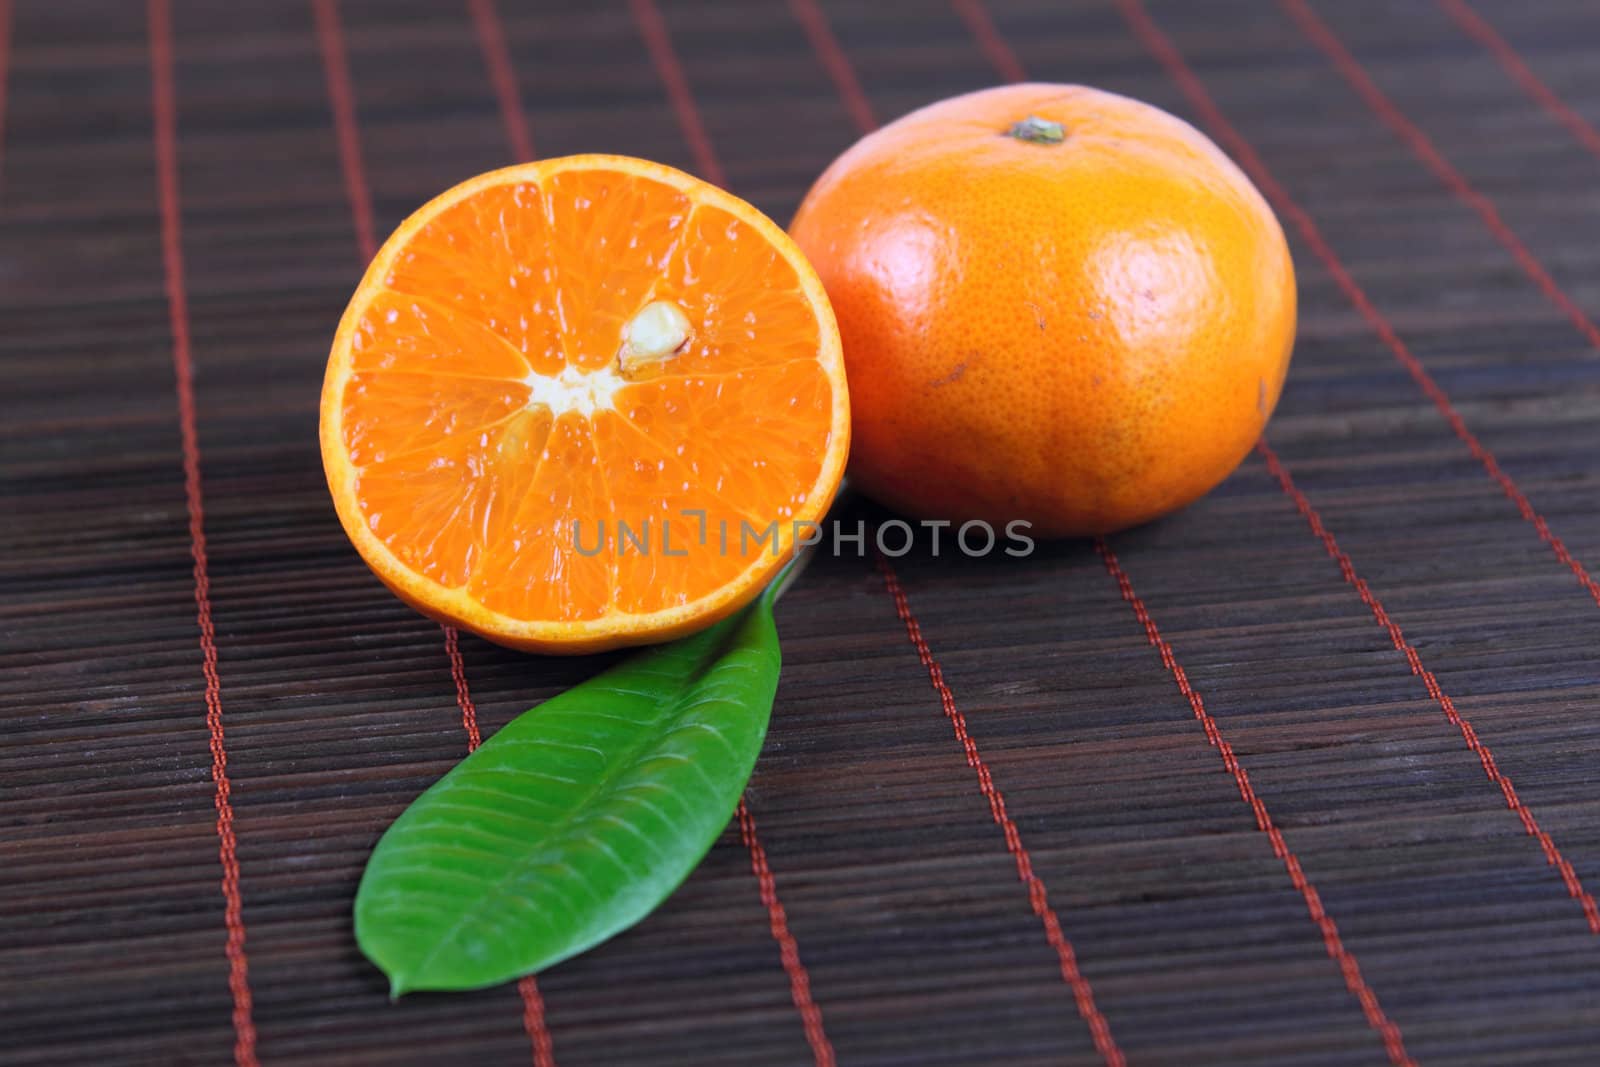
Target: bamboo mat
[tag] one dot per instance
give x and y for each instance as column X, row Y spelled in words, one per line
column 1304, row 775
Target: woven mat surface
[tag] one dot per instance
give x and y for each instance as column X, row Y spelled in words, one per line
column 1306, row 774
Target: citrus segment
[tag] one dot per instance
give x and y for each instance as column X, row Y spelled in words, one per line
column 584, row 402
column 474, row 258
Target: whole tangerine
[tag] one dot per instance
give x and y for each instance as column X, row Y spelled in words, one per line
column 1057, row 304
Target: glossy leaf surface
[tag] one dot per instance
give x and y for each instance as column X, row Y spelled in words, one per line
column 576, row 819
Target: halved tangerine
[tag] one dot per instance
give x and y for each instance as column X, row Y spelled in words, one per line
column 584, row 402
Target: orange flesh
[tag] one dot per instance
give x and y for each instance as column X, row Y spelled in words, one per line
column 485, row 409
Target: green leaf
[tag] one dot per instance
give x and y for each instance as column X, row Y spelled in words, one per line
column 575, row 820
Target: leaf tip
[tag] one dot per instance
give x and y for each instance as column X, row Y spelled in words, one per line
column 397, row 987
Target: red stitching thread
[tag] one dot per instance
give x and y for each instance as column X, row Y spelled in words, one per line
column 166, row 138
column 1324, row 38
column 1477, row 27
column 497, row 57
column 993, row 46
column 1552, row 854
column 659, row 42
column 532, row 1002
column 1167, row 54
column 1353, row 980
column 1082, row 993
column 788, row 949
column 330, row 37
column 665, row 58
column 458, row 674
column 826, row 46
column 533, row 1024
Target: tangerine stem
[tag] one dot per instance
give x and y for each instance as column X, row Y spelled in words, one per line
column 1036, row 130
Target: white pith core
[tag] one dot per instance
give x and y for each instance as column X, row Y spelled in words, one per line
column 656, row 333
column 583, row 392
